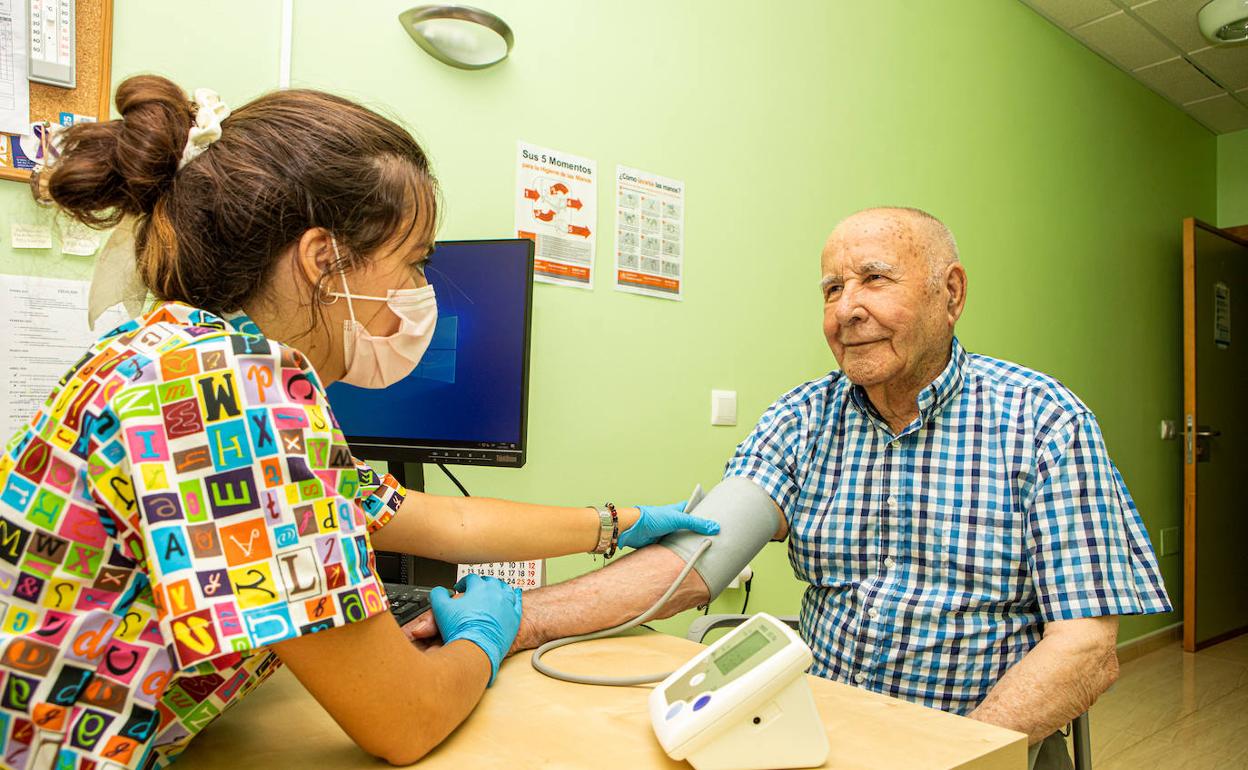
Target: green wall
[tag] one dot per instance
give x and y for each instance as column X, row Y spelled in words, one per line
column 1025, row 142
column 1233, row 179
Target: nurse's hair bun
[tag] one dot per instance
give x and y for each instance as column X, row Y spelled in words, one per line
column 115, row 168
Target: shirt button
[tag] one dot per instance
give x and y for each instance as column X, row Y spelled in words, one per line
column 873, row 613
column 888, row 562
column 891, row 502
column 859, row 677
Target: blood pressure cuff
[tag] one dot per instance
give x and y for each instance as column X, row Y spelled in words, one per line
column 747, row 520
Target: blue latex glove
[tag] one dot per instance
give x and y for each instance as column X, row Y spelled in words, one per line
column 487, row 613
column 659, row 520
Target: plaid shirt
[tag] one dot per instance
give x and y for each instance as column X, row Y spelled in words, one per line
column 935, row 556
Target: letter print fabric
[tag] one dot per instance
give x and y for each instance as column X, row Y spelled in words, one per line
column 183, row 499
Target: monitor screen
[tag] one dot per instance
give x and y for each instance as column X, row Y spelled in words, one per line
column 466, row 401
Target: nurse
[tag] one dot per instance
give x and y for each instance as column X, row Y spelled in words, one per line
column 183, row 512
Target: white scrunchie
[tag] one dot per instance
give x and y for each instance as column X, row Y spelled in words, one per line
column 207, row 129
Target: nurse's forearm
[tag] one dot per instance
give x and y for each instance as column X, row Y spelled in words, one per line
column 477, row 529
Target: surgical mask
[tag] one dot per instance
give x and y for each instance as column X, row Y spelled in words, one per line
column 379, row 362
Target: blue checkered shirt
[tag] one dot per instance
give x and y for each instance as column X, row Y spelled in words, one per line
column 934, row 557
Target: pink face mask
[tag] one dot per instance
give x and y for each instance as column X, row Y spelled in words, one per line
column 379, row 362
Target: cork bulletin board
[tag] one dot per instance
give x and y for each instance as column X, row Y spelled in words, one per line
column 93, row 61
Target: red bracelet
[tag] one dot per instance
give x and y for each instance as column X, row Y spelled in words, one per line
column 615, row 530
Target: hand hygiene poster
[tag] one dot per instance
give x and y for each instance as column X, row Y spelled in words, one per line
column 649, row 234
column 557, row 209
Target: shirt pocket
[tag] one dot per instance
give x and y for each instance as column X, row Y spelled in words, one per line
column 978, row 555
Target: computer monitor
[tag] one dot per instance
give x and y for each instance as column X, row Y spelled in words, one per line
column 466, row 402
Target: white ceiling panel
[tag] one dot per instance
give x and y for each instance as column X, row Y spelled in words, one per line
column 1125, row 40
column 1174, row 19
column 1158, row 42
column 1178, row 81
column 1222, row 114
column 1227, row 64
column 1072, row 13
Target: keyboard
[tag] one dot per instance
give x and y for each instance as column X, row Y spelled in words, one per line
column 406, row 602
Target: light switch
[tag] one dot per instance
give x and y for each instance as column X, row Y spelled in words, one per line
column 1171, row 541
column 723, row 407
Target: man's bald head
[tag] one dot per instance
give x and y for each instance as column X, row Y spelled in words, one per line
column 914, row 228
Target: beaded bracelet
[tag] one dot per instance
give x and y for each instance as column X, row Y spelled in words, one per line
column 615, row 531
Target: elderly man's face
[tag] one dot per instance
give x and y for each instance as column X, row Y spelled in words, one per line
column 883, row 317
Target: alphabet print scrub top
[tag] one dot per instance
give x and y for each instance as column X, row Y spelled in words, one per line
column 182, row 500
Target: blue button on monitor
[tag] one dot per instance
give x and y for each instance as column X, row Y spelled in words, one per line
column 675, row 709
column 700, row 702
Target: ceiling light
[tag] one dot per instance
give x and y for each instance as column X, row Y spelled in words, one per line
column 1224, row 21
column 459, row 35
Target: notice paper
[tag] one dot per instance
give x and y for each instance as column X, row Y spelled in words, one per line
column 557, row 208
column 45, row 323
column 517, row 574
column 28, row 236
column 649, row 234
column 14, row 68
column 78, row 240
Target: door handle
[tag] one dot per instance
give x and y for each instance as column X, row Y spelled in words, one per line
column 1208, row 433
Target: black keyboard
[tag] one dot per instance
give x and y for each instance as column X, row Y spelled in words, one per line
column 406, row 602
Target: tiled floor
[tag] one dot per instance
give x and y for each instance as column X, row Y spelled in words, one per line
column 1171, row 709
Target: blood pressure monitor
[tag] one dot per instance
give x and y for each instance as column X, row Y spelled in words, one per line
column 743, row 703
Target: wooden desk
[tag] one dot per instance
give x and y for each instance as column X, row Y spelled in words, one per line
column 527, row 720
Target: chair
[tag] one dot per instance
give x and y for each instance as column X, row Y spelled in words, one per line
column 707, row 623
column 1081, row 745
column 1081, row 742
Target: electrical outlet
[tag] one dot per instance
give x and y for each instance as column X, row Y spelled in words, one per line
column 1171, row 541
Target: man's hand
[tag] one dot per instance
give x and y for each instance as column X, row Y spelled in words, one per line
column 423, row 631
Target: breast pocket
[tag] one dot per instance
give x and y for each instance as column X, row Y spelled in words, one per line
column 977, row 553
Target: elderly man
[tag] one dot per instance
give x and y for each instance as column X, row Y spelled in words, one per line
column 967, row 541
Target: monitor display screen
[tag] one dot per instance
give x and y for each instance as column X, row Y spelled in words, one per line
column 466, row 401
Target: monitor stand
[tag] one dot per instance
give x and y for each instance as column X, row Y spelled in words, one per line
column 403, row 568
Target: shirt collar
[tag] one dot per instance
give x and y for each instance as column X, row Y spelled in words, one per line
column 182, row 314
column 933, row 398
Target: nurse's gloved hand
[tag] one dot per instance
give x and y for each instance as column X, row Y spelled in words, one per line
column 659, row 520
column 486, row 613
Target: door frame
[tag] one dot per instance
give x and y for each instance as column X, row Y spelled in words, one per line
column 1191, row 421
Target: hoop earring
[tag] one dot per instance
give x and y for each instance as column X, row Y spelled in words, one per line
column 323, row 296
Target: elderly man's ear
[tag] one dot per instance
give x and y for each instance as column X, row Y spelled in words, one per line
column 955, row 285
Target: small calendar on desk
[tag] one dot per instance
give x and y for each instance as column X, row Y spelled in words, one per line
column 520, row 574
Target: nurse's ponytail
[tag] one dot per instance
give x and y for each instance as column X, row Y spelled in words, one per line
column 210, row 233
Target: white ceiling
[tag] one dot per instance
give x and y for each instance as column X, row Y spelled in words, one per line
column 1159, row 44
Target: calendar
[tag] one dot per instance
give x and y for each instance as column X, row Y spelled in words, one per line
column 520, row 574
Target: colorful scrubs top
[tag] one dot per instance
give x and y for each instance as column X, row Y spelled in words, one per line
column 183, row 500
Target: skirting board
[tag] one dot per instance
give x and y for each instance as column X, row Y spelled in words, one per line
column 1155, row 640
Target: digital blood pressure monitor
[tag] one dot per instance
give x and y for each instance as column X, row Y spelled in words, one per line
column 743, row 703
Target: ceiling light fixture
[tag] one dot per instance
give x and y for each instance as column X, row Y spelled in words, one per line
column 1224, row 21
column 459, row 35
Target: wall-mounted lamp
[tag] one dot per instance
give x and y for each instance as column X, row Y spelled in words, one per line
column 1224, row 21
column 459, row 35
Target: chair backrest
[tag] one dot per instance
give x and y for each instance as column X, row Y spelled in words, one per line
column 707, row 623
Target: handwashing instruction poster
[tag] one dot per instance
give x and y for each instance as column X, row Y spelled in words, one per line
column 557, row 209
column 649, row 234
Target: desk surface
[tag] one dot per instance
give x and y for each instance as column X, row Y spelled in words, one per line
column 527, row 720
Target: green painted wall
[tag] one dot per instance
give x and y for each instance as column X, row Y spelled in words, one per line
column 1025, row 142
column 1233, row 179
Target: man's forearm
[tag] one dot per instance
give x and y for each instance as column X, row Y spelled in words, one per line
column 607, row 597
column 1059, row 679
